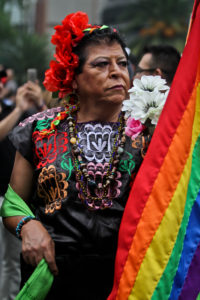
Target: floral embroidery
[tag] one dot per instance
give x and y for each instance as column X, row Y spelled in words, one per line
column 48, row 148
column 127, row 165
column 49, row 113
column 142, row 142
column 96, row 142
column 52, row 187
column 42, row 124
column 67, row 164
column 97, row 173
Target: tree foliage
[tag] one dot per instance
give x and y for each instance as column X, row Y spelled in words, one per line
column 151, row 22
column 20, row 49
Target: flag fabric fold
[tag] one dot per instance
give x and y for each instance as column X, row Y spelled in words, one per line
column 158, row 254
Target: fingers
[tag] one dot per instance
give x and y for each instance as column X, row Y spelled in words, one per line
column 49, row 256
column 37, row 244
column 33, row 256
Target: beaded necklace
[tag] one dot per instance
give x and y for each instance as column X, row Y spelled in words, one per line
column 88, row 188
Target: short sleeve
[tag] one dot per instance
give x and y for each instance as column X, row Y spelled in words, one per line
column 21, row 135
column 21, row 138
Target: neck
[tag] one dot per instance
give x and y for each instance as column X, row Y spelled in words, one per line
column 104, row 113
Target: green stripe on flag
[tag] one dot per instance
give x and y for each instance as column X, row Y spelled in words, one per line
column 163, row 289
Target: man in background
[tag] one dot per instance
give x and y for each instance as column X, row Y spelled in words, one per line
column 160, row 60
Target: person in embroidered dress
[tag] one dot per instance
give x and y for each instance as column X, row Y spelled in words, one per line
column 74, row 165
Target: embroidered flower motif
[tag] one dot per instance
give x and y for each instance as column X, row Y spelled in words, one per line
column 127, row 165
column 48, row 148
column 67, row 164
column 147, row 99
column 97, row 174
column 96, row 142
column 142, row 143
column 52, row 187
column 133, row 128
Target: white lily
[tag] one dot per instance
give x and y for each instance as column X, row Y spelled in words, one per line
column 147, row 99
column 149, row 83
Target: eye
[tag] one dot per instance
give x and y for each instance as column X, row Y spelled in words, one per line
column 123, row 63
column 101, row 64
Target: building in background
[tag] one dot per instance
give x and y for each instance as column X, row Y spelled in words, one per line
column 49, row 13
column 41, row 16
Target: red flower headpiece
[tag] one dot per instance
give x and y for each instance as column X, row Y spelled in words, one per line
column 61, row 73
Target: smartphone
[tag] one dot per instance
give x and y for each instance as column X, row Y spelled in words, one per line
column 32, row 75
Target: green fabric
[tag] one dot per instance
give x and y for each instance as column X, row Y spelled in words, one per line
column 198, row 297
column 13, row 205
column 164, row 286
column 39, row 283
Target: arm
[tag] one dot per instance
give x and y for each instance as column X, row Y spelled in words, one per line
column 7, row 124
column 28, row 95
column 36, row 241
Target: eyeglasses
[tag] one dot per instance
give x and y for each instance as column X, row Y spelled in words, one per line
column 140, row 70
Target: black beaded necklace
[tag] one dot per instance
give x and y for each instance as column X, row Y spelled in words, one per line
column 88, row 188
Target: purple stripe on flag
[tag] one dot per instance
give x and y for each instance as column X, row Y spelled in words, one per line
column 191, row 286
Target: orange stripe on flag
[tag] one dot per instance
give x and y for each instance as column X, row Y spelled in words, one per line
column 162, row 191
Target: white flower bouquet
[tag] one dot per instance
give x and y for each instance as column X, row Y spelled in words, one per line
column 147, row 99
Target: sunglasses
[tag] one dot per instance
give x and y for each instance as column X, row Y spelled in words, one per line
column 140, row 70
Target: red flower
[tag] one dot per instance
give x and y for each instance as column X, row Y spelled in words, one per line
column 76, row 23
column 62, row 36
column 59, row 78
column 73, row 26
column 61, row 73
column 69, row 60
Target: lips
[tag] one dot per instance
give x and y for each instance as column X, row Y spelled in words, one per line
column 117, row 87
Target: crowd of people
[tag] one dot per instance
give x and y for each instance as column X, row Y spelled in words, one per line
column 72, row 166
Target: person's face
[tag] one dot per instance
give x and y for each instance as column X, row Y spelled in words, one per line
column 144, row 66
column 104, row 76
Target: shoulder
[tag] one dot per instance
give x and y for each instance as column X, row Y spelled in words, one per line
column 44, row 115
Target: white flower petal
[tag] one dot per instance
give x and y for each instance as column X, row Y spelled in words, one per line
column 147, row 99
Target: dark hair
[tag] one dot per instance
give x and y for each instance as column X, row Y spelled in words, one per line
column 165, row 57
column 97, row 37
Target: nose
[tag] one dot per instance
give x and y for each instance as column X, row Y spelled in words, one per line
column 115, row 70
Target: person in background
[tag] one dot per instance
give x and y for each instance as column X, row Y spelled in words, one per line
column 27, row 100
column 132, row 63
column 74, row 165
column 7, row 94
column 160, row 60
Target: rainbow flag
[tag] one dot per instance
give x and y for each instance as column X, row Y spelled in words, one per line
column 158, row 254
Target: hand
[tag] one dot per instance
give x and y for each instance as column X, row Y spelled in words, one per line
column 29, row 95
column 35, row 93
column 38, row 244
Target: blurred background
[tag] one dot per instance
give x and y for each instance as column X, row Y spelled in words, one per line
column 26, row 27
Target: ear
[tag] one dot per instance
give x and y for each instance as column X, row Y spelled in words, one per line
column 158, row 71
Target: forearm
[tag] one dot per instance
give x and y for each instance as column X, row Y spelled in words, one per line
column 11, row 223
column 7, row 124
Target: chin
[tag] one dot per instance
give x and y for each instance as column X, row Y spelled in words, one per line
column 116, row 101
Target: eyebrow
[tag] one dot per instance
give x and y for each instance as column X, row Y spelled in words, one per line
column 106, row 57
